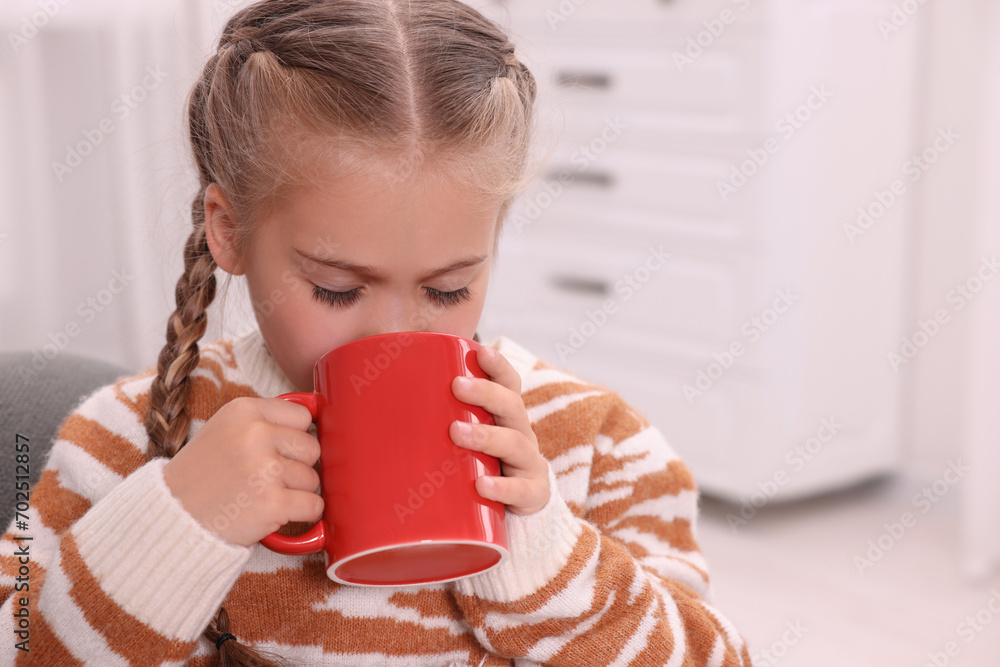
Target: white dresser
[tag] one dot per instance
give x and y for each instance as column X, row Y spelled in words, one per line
column 740, row 138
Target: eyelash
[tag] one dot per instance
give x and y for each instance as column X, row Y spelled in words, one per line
column 350, row 297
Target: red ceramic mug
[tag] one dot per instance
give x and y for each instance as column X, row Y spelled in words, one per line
column 401, row 502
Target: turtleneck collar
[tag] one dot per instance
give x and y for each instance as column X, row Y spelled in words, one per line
column 262, row 373
column 258, row 367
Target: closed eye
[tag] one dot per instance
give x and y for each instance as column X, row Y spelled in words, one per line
column 350, row 297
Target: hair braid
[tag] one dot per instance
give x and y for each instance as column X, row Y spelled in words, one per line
column 233, row 654
column 167, row 421
column 523, row 79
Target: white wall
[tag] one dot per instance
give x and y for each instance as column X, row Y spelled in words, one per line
column 945, row 253
column 125, row 208
column 981, row 491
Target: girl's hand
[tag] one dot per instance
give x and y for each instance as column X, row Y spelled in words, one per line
column 248, row 471
column 524, row 485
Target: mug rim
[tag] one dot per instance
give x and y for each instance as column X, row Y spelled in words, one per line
column 396, row 334
column 503, row 551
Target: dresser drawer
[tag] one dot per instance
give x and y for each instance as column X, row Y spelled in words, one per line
column 557, row 219
column 720, row 83
column 587, row 290
column 620, row 181
column 651, row 131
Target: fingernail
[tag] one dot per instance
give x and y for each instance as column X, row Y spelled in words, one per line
column 465, row 381
column 464, row 428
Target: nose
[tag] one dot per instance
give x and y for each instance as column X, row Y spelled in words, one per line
column 395, row 314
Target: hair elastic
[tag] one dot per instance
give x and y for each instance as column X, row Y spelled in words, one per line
column 221, row 639
column 246, row 47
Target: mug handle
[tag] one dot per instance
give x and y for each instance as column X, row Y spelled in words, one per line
column 313, row 539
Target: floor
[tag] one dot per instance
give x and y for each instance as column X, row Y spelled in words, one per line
column 805, row 587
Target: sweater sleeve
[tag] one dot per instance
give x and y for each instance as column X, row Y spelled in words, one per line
column 624, row 583
column 105, row 566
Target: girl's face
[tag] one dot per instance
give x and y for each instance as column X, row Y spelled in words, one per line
column 357, row 258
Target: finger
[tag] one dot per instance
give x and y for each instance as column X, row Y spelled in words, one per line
column 303, row 506
column 521, row 495
column 496, row 366
column 506, row 444
column 505, row 405
column 297, row 445
column 298, row 476
column 284, row 413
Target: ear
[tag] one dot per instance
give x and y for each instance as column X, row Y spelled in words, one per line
column 220, row 230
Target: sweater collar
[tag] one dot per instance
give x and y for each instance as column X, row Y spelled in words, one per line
column 262, row 373
column 258, row 367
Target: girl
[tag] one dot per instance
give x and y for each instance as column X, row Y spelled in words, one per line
column 357, row 159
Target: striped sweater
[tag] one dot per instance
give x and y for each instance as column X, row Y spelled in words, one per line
column 607, row 573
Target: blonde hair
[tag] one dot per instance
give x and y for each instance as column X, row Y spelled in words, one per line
column 365, row 86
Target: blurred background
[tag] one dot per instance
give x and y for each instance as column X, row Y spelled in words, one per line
column 772, row 225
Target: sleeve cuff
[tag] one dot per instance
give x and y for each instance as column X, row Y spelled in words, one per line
column 154, row 559
column 540, row 545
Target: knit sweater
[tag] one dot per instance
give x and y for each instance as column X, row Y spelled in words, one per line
column 119, row 573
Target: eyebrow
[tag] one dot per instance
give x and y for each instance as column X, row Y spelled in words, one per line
column 371, row 272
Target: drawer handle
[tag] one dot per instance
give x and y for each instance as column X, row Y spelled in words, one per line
column 584, row 285
column 597, row 179
column 593, row 178
column 590, row 80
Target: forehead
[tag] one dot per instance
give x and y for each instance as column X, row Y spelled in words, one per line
column 376, row 215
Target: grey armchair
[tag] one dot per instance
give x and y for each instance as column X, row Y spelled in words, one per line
column 34, row 402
